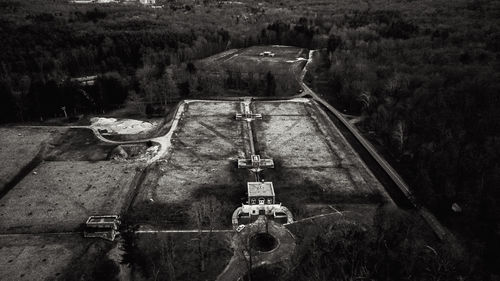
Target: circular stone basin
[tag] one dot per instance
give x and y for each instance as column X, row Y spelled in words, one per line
column 263, row 242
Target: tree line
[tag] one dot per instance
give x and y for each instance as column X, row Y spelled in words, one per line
column 427, row 97
column 42, row 51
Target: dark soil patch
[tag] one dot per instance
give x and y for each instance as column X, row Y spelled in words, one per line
column 79, row 145
column 295, row 192
column 158, row 214
column 137, row 150
column 232, row 195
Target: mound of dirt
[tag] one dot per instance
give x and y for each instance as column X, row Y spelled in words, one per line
column 118, row 153
column 121, row 126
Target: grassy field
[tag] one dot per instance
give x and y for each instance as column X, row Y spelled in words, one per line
column 59, row 196
column 201, row 162
column 34, row 257
column 314, row 163
column 248, row 70
column 19, row 147
column 79, row 145
column 286, row 59
column 316, row 170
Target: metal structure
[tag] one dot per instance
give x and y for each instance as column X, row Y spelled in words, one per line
column 105, row 227
column 255, row 163
column 247, row 114
column 267, row 54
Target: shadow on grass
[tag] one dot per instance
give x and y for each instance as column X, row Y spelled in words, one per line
column 295, row 192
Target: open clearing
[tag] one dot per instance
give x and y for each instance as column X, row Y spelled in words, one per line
column 287, row 59
column 248, row 67
column 311, row 153
column 201, row 160
column 79, row 144
column 61, row 195
column 19, row 146
column 314, row 163
column 316, row 172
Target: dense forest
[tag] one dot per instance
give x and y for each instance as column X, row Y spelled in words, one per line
column 422, row 77
column 393, row 248
column 427, row 93
column 42, row 51
column 132, row 50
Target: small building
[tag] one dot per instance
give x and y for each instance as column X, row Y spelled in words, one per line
column 260, row 193
column 267, row 54
column 261, row 202
column 85, row 80
column 105, row 227
column 147, row 2
column 255, row 163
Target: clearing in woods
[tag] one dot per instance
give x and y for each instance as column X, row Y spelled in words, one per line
column 316, row 172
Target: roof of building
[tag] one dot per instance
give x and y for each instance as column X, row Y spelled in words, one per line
column 260, row 189
column 102, row 220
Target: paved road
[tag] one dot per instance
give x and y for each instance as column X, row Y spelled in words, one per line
column 182, row 231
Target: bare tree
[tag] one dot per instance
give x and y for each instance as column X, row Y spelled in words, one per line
column 246, row 252
column 162, row 263
column 366, row 99
column 168, row 257
column 206, row 214
column 399, row 135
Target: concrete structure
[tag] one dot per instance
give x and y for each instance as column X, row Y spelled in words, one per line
column 261, row 193
column 248, row 115
column 249, row 213
column 261, row 202
column 255, row 163
column 85, row 80
column 267, row 54
column 105, row 227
